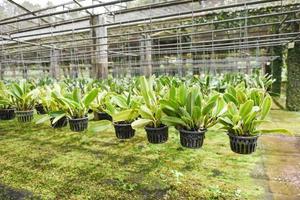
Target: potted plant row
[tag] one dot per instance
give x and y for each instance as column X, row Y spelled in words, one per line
column 192, row 113
column 98, row 106
column 76, row 107
column 7, row 110
column 23, row 99
column 151, row 113
column 124, row 110
column 246, row 111
column 54, row 110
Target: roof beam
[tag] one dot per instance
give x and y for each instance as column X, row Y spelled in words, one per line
column 25, row 9
column 86, row 10
column 65, row 11
column 25, row 42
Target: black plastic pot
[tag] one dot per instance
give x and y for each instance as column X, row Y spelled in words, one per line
column 102, row 116
column 60, row 123
column 79, row 124
column 7, row 114
column 242, row 144
column 123, row 130
column 192, row 139
column 24, row 116
column 157, row 135
column 40, row 109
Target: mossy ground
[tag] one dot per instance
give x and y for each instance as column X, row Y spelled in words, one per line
column 37, row 161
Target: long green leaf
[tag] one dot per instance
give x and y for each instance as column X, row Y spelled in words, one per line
column 266, row 107
column 141, row 123
column 89, row 98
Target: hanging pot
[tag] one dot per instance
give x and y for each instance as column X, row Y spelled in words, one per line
column 192, row 139
column 24, row 116
column 60, row 123
column 40, row 109
column 102, row 116
column 243, row 144
column 7, row 114
column 79, row 124
column 157, row 135
column 124, row 130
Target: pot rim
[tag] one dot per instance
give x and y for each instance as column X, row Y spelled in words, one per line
column 125, row 124
column 24, row 111
column 197, row 132
column 242, row 137
column 156, row 128
column 52, row 118
column 101, row 112
column 78, row 119
column 8, row 109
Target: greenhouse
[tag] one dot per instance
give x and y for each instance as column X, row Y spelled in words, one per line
column 150, row 99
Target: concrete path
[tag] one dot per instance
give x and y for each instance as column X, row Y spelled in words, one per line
column 280, row 170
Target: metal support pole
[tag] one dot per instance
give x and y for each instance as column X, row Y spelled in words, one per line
column 100, row 58
column 1, row 72
column 146, row 55
column 54, row 63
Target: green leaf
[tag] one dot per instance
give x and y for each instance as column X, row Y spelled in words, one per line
column 231, row 91
column 43, row 119
column 173, row 121
column 87, row 100
column 141, row 123
column 182, row 93
column 246, row 108
column 196, row 114
column 170, row 105
column 124, row 115
column 232, row 109
column 266, row 107
column 76, row 95
column 146, row 113
column 172, row 93
column 225, row 121
column 241, row 97
column 270, row 131
column 58, row 118
column 230, row 98
column 208, row 108
column 102, row 125
column 120, row 101
column 189, row 103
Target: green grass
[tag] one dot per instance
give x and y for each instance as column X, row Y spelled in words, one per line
column 284, row 119
column 59, row 164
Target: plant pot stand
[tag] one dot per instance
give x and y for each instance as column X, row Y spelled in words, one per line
column 157, row 135
column 7, row 114
column 192, row 139
column 124, row 131
column 24, row 116
column 79, row 124
column 243, row 144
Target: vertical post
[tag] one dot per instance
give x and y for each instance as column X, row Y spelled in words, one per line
column 1, row 72
column 100, row 47
column 146, row 55
column 277, row 69
column 54, row 61
column 74, row 71
column 25, row 72
column 293, row 76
